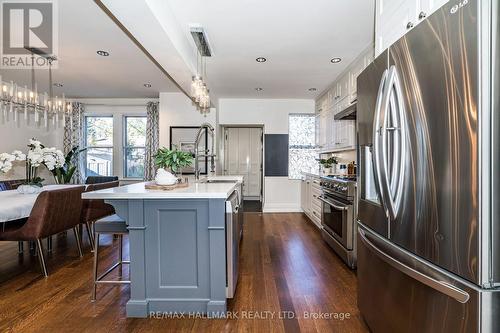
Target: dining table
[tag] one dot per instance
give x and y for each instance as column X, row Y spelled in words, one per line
column 15, row 205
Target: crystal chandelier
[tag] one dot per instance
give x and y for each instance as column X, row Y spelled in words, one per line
column 15, row 99
column 199, row 91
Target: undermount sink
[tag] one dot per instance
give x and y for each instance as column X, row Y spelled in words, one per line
column 218, row 181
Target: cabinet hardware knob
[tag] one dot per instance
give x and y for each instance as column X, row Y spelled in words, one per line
column 422, row 15
column 409, row 25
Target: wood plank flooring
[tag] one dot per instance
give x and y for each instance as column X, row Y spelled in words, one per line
column 286, row 271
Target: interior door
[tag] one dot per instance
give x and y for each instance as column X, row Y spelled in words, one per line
column 371, row 85
column 255, row 162
column 435, row 70
column 243, row 156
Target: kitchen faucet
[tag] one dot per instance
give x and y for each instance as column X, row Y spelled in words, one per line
column 197, row 155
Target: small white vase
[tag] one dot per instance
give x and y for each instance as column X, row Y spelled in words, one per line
column 29, row 189
column 163, row 177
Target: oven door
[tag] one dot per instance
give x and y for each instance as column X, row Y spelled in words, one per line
column 337, row 220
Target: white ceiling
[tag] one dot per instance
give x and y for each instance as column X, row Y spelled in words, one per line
column 298, row 38
column 83, row 29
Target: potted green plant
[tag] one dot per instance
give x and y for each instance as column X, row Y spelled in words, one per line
column 329, row 164
column 64, row 174
column 172, row 159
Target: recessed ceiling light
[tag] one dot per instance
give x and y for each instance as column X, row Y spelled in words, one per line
column 103, row 53
column 57, row 84
column 336, row 60
column 312, row 89
column 147, row 85
column 259, row 89
column 261, row 59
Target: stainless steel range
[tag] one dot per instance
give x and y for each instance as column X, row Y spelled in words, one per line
column 338, row 216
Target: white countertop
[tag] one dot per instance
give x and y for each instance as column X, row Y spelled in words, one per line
column 195, row 190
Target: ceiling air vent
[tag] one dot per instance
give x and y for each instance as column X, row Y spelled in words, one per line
column 201, row 41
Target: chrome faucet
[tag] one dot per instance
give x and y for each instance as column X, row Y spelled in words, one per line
column 206, row 153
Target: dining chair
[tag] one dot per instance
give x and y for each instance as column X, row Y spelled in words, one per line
column 93, row 210
column 53, row 212
column 100, row 179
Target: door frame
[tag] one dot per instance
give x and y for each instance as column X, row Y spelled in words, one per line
column 222, row 148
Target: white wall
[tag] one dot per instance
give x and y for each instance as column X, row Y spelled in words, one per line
column 280, row 193
column 15, row 136
column 178, row 110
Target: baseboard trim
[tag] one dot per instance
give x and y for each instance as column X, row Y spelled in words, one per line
column 281, row 208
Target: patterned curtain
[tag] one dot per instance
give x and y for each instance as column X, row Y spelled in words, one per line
column 73, row 136
column 152, row 139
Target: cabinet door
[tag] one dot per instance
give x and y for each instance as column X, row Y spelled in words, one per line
column 430, row 6
column 303, row 194
column 393, row 19
column 323, row 130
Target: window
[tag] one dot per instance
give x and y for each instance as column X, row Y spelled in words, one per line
column 301, row 144
column 135, row 146
column 99, row 143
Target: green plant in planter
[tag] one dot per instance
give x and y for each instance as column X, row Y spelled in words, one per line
column 64, row 174
column 327, row 163
column 173, row 159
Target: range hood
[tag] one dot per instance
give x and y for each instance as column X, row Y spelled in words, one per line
column 348, row 113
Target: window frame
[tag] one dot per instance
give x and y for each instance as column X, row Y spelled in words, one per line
column 312, row 147
column 125, row 146
column 86, row 144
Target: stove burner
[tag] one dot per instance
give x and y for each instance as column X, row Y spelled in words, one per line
column 343, row 188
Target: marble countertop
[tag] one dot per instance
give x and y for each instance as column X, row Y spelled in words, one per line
column 195, row 190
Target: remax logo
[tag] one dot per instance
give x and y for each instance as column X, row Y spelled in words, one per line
column 28, row 27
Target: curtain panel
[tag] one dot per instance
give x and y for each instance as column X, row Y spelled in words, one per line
column 152, row 139
column 73, row 137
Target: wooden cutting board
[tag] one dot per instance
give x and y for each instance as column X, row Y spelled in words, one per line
column 154, row 186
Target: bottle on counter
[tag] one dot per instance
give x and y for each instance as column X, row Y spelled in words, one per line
column 351, row 168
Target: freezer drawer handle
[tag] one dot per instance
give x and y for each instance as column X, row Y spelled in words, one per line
column 441, row 286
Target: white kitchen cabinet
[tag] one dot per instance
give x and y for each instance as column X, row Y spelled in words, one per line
column 304, row 194
column 427, row 7
column 310, row 192
column 340, row 135
column 393, row 18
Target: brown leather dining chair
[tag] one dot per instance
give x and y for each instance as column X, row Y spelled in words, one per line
column 54, row 212
column 93, row 210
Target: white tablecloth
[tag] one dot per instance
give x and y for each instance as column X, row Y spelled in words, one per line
column 14, row 205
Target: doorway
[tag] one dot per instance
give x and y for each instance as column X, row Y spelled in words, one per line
column 243, row 151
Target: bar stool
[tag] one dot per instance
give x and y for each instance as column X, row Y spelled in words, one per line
column 111, row 225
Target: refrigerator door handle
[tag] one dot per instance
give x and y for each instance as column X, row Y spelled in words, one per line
column 393, row 107
column 442, row 286
column 378, row 124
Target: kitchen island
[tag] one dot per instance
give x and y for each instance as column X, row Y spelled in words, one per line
column 177, row 245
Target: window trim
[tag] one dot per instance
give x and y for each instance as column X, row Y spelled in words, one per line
column 125, row 146
column 87, row 147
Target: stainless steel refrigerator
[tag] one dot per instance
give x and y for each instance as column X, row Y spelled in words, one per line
column 428, row 127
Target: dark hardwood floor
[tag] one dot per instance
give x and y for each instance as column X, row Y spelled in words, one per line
column 286, row 270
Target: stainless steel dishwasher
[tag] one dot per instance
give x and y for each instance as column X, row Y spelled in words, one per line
column 233, row 230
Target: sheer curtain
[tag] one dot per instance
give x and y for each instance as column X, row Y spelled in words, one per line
column 73, row 137
column 152, row 139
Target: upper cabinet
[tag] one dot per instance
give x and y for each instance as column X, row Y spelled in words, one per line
column 393, row 18
column 340, row 134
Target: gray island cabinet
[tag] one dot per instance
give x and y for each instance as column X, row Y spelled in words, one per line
column 177, row 246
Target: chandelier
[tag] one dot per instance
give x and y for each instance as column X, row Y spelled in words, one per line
column 199, row 91
column 15, row 99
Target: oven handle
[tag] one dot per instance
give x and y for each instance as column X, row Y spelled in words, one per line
column 333, row 204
